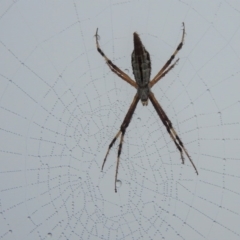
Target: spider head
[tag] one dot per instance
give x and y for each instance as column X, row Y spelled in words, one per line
column 143, row 93
column 144, row 103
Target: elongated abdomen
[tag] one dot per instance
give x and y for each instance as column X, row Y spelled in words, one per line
column 141, row 66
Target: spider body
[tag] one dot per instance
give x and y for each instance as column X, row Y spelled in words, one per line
column 141, row 66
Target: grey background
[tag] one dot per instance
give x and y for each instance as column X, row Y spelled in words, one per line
column 61, row 106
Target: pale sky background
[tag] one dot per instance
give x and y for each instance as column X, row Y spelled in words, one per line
column 61, row 106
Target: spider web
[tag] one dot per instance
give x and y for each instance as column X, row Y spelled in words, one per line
column 61, row 106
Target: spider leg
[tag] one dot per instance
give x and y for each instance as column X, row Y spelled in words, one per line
column 110, row 146
column 165, row 72
column 178, row 142
column 159, row 74
column 121, row 132
column 112, row 66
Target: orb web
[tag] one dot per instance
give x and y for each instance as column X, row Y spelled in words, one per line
column 61, row 106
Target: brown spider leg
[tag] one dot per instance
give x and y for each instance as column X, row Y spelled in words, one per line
column 119, row 74
column 121, row 132
column 178, row 142
column 112, row 66
column 109, row 147
column 159, row 74
column 165, row 72
column 118, row 158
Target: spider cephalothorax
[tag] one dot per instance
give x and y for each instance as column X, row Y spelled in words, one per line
column 141, row 65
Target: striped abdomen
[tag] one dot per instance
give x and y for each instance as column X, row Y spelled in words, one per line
column 141, row 66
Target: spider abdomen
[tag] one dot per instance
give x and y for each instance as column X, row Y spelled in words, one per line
column 141, row 69
column 141, row 66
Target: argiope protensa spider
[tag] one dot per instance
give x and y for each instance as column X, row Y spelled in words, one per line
column 141, row 66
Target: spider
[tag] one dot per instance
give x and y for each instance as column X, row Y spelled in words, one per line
column 141, row 66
